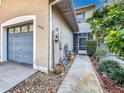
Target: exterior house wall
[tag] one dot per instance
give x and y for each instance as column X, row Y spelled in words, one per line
column 66, row 35
column 84, row 26
column 10, row 9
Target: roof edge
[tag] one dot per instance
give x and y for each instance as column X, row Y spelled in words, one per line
column 74, row 14
column 68, row 12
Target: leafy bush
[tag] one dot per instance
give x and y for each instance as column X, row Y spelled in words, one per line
column 91, row 47
column 115, row 42
column 109, row 67
column 118, row 77
column 108, row 21
column 100, row 52
column 113, row 70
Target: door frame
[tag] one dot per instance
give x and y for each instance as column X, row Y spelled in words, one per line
column 79, row 51
column 14, row 21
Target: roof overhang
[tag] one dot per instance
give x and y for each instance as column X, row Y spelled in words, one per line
column 67, row 10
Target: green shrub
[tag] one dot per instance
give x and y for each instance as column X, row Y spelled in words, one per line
column 118, row 77
column 109, row 67
column 100, row 53
column 113, row 70
column 91, row 47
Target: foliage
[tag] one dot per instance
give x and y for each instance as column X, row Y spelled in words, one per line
column 100, row 53
column 118, row 77
column 108, row 67
column 115, row 42
column 106, row 20
column 91, row 47
column 113, row 70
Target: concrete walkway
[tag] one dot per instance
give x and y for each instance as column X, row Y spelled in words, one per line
column 12, row 73
column 81, row 78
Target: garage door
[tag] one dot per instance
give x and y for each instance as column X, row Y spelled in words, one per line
column 20, row 44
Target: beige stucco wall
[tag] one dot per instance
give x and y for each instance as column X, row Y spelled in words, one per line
column 85, row 27
column 66, row 35
column 14, row 8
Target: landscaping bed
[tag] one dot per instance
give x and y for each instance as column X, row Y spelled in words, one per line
column 41, row 83
column 108, row 82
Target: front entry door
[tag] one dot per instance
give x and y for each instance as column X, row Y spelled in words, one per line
column 82, row 48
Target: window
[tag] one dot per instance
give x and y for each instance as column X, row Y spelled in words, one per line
column 31, row 27
column 17, row 30
column 24, row 29
column 82, row 34
column 11, row 31
column 81, row 17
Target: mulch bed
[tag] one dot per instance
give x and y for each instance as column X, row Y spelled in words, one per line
column 106, row 82
column 40, row 83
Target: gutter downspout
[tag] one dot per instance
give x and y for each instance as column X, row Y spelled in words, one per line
column 51, row 61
